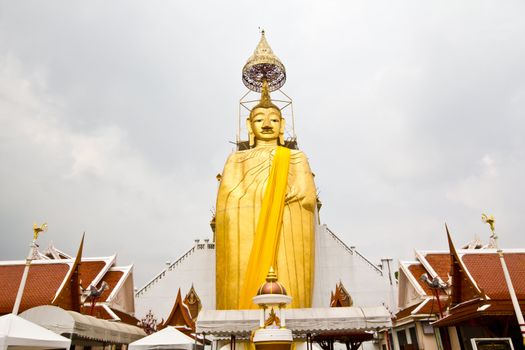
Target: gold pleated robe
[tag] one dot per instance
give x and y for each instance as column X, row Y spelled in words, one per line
column 239, row 201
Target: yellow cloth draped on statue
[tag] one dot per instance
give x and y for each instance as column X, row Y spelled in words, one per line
column 266, row 238
column 252, row 190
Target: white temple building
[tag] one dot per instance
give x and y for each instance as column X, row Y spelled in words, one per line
column 336, row 263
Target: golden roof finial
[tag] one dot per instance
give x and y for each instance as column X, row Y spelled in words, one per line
column 489, row 220
column 37, row 230
column 263, row 65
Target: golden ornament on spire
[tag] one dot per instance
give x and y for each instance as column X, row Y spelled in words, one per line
column 272, row 276
column 263, row 65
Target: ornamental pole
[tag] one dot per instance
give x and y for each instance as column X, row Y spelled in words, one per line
column 517, row 310
column 32, row 249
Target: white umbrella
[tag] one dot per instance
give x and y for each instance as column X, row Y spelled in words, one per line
column 168, row 338
column 15, row 331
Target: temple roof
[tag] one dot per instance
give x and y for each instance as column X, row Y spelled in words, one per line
column 340, row 297
column 50, row 279
column 42, row 284
column 180, row 316
column 68, row 296
column 475, row 277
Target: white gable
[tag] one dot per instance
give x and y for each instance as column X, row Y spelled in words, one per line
column 367, row 284
column 335, row 261
column 196, row 267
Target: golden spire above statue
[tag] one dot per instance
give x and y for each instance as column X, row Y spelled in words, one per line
column 263, row 65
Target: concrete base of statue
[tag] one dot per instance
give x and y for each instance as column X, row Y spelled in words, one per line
column 273, row 339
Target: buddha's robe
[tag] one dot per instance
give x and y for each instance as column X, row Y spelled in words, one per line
column 239, row 201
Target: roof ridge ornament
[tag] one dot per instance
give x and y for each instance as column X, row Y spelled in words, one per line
column 263, row 65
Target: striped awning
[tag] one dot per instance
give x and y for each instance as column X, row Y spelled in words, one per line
column 70, row 323
column 315, row 321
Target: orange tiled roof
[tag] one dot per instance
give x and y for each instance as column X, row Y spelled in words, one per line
column 111, row 278
column 89, row 270
column 100, row 312
column 471, row 310
column 42, row 284
column 430, row 308
column 43, row 281
column 126, row 318
column 487, row 272
column 406, row 312
column 179, row 316
column 440, row 262
column 417, row 270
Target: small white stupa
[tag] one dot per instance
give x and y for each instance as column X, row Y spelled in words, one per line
column 272, row 300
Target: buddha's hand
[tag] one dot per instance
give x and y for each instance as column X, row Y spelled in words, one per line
column 291, row 195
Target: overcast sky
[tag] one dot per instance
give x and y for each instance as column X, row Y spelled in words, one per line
column 115, row 118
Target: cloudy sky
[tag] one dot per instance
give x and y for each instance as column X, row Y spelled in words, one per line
column 116, row 116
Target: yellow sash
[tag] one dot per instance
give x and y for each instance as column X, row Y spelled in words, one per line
column 265, row 242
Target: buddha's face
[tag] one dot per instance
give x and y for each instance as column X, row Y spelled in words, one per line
column 266, row 123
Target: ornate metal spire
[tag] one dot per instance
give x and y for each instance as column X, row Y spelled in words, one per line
column 272, row 276
column 263, row 65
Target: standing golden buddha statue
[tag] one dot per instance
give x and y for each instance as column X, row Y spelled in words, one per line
column 266, row 204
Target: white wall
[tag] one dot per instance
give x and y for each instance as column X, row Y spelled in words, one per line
column 197, row 268
column 334, row 262
column 365, row 282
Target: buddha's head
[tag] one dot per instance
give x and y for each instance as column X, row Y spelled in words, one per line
column 265, row 124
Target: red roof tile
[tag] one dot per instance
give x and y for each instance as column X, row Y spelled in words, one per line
column 417, row 270
column 472, row 310
column 111, row 278
column 440, row 262
column 100, row 312
column 430, row 308
column 487, row 272
column 179, row 315
column 126, row 318
column 42, row 284
column 89, row 270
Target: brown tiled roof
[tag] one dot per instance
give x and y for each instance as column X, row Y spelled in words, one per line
column 440, row 262
column 417, row 270
column 100, row 312
column 179, row 315
column 42, row 284
column 469, row 310
column 431, row 307
column 89, row 270
column 68, row 297
column 111, row 278
column 406, row 312
column 487, row 272
column 126, row 318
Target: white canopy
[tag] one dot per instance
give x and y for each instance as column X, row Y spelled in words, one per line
column 168, row 338
column 69, row 322
column 15, row 331
column 221, row 323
